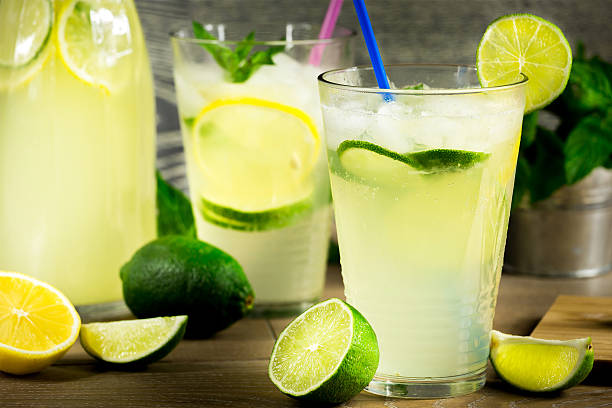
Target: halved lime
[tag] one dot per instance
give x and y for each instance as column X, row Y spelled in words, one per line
column 373, row 162
column 96, row 42
column 328, row 354
column 538, row 365
column 253, row 220
column 25, row 28
column 255, row 158
column 133, row 342
column 524, row 43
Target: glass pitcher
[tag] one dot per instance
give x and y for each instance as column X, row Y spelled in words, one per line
column 77, row 143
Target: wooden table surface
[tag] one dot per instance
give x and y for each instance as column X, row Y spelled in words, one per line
column 230, row 370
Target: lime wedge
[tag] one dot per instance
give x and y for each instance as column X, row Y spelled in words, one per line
column 95, row 42
column 328, row 354
column 253, row 220
column 524, row 43
column 372, row 162
column 133, row 342
column 256, row 167
column 538, row 365
column 25, row 28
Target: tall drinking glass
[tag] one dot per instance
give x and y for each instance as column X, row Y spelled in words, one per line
column 422, row 180
column 255, row 158
column 77, row 143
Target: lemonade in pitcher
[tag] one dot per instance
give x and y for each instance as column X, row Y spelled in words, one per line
column 77, row 143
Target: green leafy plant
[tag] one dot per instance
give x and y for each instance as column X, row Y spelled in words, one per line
column 174, row 213
column 582, row 141
column 241, row 62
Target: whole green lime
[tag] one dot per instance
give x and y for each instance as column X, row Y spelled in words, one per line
column 177, row 275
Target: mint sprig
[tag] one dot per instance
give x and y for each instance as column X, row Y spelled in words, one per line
column 552, row 158
column 241, row 62
column 174, row 213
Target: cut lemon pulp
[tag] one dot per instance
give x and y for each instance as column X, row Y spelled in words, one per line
column 524, row 43
column 95, row 42
column 254, row 155
column 37, row 324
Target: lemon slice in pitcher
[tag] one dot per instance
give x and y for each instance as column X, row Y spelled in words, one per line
column 25, row 28
column 95, row 42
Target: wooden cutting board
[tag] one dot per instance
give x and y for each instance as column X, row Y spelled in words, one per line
column 571, row 317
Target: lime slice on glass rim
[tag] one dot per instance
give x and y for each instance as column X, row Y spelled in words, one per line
column 25, row 29
column 133, row 342
column 255, row 157
column 524, row 43
column 328, row 354
column 95, row 42
column 370, row 161
column 538, row 365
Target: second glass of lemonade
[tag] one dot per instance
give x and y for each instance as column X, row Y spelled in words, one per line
column 422, row 179
column 256, row 161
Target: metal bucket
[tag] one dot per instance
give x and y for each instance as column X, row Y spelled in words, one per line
column 566, row 235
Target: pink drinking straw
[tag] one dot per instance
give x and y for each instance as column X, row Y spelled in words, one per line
column 329, row 23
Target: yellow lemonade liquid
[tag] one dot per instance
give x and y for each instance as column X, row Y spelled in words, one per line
column 422, row 248
column 77, row 160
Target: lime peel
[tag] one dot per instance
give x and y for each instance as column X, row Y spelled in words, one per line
column 538, row 365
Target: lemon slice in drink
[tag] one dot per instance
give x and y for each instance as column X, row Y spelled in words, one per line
column 255, row 158
column 38, row 324
column 538, row 365
column 524, row 43
column 25, row 28
column 94, row 39
column 328, row 354
column 133, row 342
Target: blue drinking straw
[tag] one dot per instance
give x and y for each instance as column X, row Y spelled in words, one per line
column 370, row 40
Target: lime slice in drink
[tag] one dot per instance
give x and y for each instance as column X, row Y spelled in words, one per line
column 524, row 43
column 372, row 162
column 25, row 28
column 254, row 220
column 255, row 158
column 538, row 365
column 328, row 354
column 133, row 342
column 95, row 42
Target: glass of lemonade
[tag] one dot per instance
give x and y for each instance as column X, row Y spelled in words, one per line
column 256, row 161
column 422, row 179
column 77, row 143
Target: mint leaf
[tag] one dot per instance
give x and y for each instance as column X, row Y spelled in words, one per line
column 521, row 181
column 548, row 172
column 245, row 46
column 589, row 87
column 530, row 126
column 241, row 62
column 174, row 213
column 588, row 146
column 254, row 62
column 416, row 87
column 223, row 55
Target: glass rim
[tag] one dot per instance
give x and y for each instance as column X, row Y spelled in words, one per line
column 435, row 91
column 184, row 35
